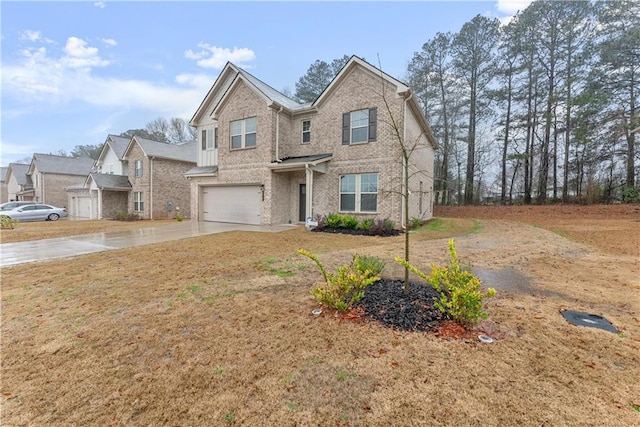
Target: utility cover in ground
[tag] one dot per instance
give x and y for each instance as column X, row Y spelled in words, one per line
column 588, row 320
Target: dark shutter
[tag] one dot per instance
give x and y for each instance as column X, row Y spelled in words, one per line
column 373, row 125
column 204, row 139
column 215, row 138
column 346, row 117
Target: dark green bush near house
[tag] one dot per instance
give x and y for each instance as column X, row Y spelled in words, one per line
column 365, row 224
column 349, row 222
column 126, row 216
column 334, row 220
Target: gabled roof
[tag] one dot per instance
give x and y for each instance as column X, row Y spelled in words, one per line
column 19, row 171
column 3, row 173
column 48, row 163
column 234, row 74
column 185, row 152
column 353, row 62
column 117, row 144
column 110, row 181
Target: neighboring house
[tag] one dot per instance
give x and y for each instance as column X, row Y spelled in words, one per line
column 19, row 186
column 105, row 192
column 51, row 175
column 265, row 159
column 4, row 196
column 156, row 171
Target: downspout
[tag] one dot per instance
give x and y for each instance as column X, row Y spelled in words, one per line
column 151, row 188
column 278, row 134
column 44, row 200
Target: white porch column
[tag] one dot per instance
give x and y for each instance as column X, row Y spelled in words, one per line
column 99, row 203
column 309, row 198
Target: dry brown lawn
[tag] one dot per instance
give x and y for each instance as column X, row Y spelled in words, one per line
column 218, row 330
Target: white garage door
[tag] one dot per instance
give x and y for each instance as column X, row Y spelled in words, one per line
column 239, row 204
column 84, row 207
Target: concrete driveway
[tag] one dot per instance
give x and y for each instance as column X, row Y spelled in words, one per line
column 62, row 247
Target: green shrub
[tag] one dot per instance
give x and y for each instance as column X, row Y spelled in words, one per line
column 7, row 223
column 368, row 263
column 126, row 216
column 415, row 223
column 179, row 217
column 334, row 220
column 349, row 222
column 460, row 291
column 346, row 286
column 365, row 224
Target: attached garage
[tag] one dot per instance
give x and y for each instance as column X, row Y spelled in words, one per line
column 237, row 204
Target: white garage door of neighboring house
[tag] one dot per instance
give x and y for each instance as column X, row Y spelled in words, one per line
column 84, row 207
column 239, row 204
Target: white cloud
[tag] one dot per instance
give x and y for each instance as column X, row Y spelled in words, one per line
column 216, row 57
column 100, row 4
column 79, row 55
column 511, row 7
column 33, row 36
column 109, row 42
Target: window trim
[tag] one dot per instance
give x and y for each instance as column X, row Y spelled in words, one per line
column 138, row 205
column 358, row 193
column 372, row 126
column 306, row 132
column 137, row 172
column 243, row 133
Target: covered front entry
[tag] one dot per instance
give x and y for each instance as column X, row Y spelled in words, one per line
column 235, row 203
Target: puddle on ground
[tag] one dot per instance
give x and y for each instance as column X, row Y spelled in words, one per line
column 505, row 279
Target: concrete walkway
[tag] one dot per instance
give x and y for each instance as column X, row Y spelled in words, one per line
column 63, row 247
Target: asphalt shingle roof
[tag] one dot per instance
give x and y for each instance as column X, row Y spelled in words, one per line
column 118, row 144
column 20, row 172
column 104, row 180
column 271, row 93
column 185, row 152
column 3, row 174
column 47, row 163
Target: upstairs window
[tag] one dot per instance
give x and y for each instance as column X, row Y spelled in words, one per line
column 138, row 168
column 243, row 133
column 306, row 131
column 209, row 139
column 359, row 193
column 359, row 126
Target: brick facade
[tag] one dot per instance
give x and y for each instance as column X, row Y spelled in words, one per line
column 163, row 185
column 279, row 131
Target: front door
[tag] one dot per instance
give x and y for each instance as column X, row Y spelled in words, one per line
column 302, row 203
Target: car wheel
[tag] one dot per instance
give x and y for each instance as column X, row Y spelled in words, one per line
column 53, row 217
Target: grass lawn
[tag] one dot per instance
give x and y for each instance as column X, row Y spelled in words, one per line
column 218, row 330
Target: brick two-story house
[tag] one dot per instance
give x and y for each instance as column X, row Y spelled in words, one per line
column 51, row 175
column 159, row 188
column 265, row 159
column 19, row 185
column 105, row 191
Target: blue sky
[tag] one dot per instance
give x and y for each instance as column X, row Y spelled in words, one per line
column 74, row 72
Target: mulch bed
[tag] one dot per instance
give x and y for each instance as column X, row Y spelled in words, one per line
column 386, row 303
column 340, row 230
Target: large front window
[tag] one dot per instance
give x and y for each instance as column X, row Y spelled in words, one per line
column 138, row 203
column 243, row 133
column 359, row 193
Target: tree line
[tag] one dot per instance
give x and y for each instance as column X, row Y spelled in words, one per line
column 549, row 102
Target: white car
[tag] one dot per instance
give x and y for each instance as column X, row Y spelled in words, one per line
column 35, row 212
column 12, row 205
